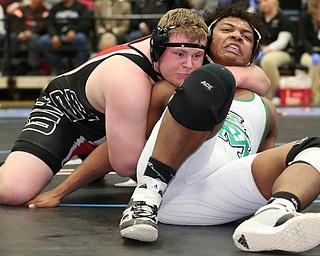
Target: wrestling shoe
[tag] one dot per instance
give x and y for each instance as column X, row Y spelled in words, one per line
column 139, row 220
column 277, row 229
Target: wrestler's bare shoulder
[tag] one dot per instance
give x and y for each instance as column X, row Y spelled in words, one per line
column 115, row 74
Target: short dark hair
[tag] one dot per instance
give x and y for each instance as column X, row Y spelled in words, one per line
column 224, row 10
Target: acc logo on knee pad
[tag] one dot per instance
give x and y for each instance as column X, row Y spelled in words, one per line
column 207, row 85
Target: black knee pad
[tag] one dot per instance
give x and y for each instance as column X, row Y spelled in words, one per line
column 302, row 145
column 204, row 98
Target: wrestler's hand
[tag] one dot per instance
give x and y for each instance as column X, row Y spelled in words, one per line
column 48, row 199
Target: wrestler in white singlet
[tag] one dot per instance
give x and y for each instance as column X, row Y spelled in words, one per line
column 203, row 194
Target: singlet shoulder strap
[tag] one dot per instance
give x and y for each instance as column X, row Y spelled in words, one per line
column 143, row 62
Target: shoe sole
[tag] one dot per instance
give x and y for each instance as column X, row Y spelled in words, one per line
column 298, row 234
column 140, row 232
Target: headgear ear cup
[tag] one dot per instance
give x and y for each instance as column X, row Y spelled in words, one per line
column 256, row 46
column 210, row 29
column 157, row 42
column 255, row 53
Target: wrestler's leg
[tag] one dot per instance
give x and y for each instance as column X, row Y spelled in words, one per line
column 226, row 194
column 22, row 176
column 300, row 178
column 278, row 225
column 46, row 142
column 265, row 171
column 191, row 166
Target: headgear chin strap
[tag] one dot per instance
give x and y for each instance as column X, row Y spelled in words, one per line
column 159, row 42
column 257, row 37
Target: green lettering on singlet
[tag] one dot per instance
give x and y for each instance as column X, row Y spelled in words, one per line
column 234, row 132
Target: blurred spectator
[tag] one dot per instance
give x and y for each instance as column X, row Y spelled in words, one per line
column 250, row 5
column 12, row 5
column 176, row 3
column 68, row 25
column 211, row 4
column 309, row 37
column 197, row 5
column 244, row 3
column 27, row 24
column 89, row 3
column 3, row 31
column 140, row 28
column 50, row 3
column 304, row 5
column 253, row 5
column 5, row 4
column 274, row 48
column 109, row 8
column 107, row 40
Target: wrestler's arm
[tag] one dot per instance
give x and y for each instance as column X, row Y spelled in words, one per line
column 252, row 78
column 126, row 106
column 161, row 93
column 272, row 127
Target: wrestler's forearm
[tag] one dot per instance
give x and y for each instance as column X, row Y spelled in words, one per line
column 79, row 178
column 93, row 167
column 252, row 78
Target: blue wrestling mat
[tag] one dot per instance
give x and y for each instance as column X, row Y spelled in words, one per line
column 299, row 111
column 14, row 112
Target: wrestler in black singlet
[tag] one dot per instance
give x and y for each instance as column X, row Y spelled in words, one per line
column 62, row 123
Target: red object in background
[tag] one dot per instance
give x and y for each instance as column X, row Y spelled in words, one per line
column 295, row 97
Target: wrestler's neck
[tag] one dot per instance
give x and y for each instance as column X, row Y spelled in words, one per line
column 144, row 47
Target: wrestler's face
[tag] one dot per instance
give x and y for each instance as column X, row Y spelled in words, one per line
column 176, row 63
column 232, row 42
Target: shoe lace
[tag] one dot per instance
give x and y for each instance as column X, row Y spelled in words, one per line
column 141, row 209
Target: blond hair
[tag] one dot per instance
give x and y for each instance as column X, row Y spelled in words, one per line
column 187, row 22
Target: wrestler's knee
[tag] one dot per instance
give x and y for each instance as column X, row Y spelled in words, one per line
column 125, row 166
column 18, row 184
column 204, row 98
column 13, row 194
column 306, row 150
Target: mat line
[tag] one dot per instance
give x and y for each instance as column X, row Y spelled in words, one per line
column 95, row 205
column 113, row 205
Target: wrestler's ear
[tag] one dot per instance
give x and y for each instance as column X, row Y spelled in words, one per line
column 159, row 38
